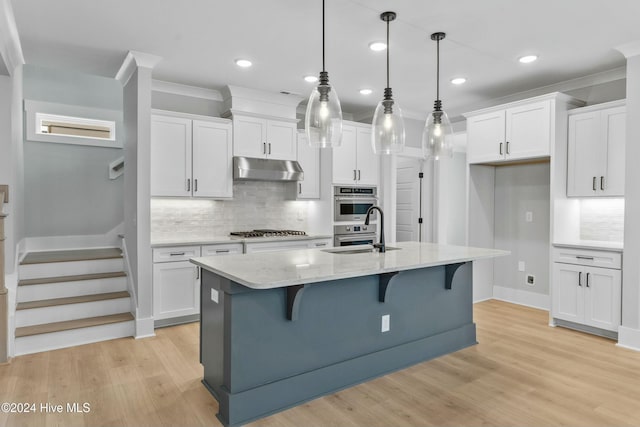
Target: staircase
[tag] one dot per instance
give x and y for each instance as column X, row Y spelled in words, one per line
column 71, row 297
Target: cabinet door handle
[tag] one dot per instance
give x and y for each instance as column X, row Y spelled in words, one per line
column 321, row 244
column 195, row 184
column 501, row 148
column 579, row 278
column 269, row 148
column 594, row 183
column 264, row 148
column 299, row 188
column 197, row 273
column 588, row 279
column 176, row 254
column 355, row 176
column 584, row 257
column 188, row 184
column 602, row 183
column 358, row 174
column 222, row 251
column 507, row 147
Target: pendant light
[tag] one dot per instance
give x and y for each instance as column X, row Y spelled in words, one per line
column 436, row 137
column 387, row 135
column 323, row 120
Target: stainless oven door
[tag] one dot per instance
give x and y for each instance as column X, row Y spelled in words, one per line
column 354, row 208
column 354, row 239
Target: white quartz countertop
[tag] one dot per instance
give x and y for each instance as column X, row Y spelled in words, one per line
column 173, row 239
column 268, row 270
column 591, row 244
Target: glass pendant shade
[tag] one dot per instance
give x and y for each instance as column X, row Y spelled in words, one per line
column 388, row 128
column 323, row 120
column 437, row 136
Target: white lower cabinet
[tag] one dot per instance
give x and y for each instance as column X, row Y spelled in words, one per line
column 176, row 282
column 586, row 294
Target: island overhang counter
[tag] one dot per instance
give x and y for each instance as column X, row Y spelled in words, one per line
column 281, row 328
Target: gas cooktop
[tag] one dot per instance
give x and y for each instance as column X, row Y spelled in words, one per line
column 268, row 233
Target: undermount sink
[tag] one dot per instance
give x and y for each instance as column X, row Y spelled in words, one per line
column 368, row 249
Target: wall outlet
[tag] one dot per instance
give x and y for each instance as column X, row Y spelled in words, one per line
column 521, row 266
column 531, row 279
column 528, row 216
column 386, row 319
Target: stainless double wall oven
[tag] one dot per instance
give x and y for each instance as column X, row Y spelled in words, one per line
column 352, row 203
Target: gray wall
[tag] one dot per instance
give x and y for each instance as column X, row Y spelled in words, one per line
column 186, row 104
column 67, row 188
column 520, row 189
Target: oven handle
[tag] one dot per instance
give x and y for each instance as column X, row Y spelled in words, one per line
column 350, row 238
column 357, row 198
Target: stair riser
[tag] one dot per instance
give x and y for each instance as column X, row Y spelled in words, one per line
column 73, row 337
column 56, row 269
column 71, row 289
column 60, row 313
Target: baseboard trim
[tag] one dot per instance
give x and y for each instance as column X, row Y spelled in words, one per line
column 144, row 327
column 482, row 300
column 629, row 338
column 522, row 297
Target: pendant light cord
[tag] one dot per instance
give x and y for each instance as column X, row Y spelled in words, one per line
column 387, row 53
column 438, row 69
column 323, row 69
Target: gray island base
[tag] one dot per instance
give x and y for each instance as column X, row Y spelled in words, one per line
column 268, row 348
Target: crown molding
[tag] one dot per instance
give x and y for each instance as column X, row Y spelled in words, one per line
column 630, row 49
column 10, row 47
column 135, row 60
column 186, row 90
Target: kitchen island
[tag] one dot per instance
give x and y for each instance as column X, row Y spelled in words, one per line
column 278, row 329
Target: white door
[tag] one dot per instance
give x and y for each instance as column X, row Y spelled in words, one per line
column 585, row 154
column 170, row 156
column 368, row 162
column 407, row 200
column 212, row 159
column 613, row 122
column 249, row 137
column 568, row 292
column 344, row 158
column 602, row 298
column 528, row 131
column 281, row 140
column 485, row 137
column 176, row 289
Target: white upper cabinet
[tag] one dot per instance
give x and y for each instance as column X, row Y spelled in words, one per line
column 596, row 151
column 259, row 137
column 191, row 156
column 309, row 159
column 514, row 133
column 354, row 162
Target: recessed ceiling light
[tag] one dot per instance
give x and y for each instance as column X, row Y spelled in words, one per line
column 458, row 80
column 365, row 91
column 528, row 59
column 310, row 79
column 377, row 46
column 244, row 63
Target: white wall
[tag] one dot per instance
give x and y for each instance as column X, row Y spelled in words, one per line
column 186, row 104
column 67, row 187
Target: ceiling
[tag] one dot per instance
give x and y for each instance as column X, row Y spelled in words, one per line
column 200, row 39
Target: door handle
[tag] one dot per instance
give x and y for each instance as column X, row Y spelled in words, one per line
column 299, row 188
column 501, row 148
column 264, row 148
column 222, row 251
column 507, row 147
column 602, row 183
column 195, row 184
column 197, row 273
column 188, row 184
column 594, row 184
column 269, row 148
column 579, row 278
column 584, row 257
column 176, row 254
column 358, row 174
column 588, row 279
column 355, row 176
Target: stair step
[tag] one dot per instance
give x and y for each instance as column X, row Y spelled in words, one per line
column 71, row 255
column 76, row 278
column 72, row 300
column 72, row 324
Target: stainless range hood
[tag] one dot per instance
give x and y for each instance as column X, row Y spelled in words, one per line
column 249, row 168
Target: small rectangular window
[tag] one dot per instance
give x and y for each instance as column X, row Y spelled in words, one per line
column 75, row 127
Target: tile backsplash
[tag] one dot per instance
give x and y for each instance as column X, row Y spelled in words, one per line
column 602, row 219
column 255, row 204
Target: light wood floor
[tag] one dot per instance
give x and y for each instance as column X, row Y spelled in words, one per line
column 523, row 373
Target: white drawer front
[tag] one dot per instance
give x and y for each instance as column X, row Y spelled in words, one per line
column 222, row 249
column 588, row 257
column 321, row 243
column 176, row 253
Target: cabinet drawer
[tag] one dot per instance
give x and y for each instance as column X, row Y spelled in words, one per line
column 176, row 253
column 222, row 249
column 588, row 257
column 320, row 243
